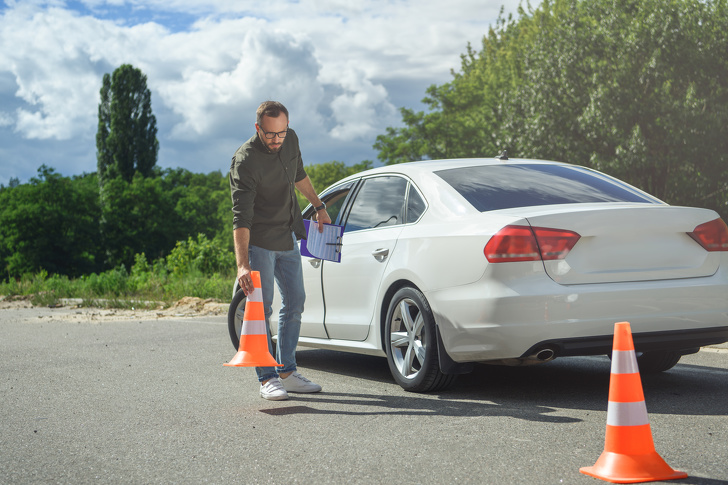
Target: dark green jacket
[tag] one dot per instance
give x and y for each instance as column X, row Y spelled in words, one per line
column 262, row 187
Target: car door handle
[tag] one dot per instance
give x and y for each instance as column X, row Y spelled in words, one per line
column 315, row 262
column 380, row 254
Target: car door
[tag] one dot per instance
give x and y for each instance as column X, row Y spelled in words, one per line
column 373, row 224
column 312, row 319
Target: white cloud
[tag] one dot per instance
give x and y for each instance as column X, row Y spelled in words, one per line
column 6, row 119
column 330, row 61
column 50, row 63
column 360, row 109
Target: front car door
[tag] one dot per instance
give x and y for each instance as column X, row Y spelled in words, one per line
column 373, row 224
column 312, row 319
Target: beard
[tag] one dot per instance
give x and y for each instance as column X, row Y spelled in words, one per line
column 274, row 148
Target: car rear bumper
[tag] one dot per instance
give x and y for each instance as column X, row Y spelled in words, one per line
column 493, row 320
column 685, row 341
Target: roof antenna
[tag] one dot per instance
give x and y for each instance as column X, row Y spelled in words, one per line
column 503, row 155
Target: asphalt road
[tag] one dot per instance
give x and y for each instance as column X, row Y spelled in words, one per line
column 149, row 401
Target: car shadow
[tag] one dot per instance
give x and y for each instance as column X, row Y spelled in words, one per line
column 528, row 392
column 387, row 398
column 414, row 405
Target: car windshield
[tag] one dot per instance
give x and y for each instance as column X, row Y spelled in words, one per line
column 493, row 187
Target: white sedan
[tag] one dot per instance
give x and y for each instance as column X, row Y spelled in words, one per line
column 453, row 262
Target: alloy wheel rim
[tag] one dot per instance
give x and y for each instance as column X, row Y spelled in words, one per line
column 407, row 331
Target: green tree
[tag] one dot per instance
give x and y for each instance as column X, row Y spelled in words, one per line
column 635, row 88
column 50, row 224
column 139, row 218
column 201, row 202
column 126, row 150
column 150, row 215
column 12, row 183
column 126, row 140
column 638, row 89
column 323, row 175
column 465, row 115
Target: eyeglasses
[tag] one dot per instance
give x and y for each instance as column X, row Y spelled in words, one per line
column 272, row 134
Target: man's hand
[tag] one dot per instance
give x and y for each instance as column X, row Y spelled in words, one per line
column 245, row 280
column 322, row 217
column 241, row 237
column 306, row 188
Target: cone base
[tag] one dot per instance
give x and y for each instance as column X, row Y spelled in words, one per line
column 252, row 359
column 621, row 468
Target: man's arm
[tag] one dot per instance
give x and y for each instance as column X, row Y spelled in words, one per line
column 306, row 188
column 241, row 237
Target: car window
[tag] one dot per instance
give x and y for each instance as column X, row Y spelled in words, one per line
column 379, row 203
column 415, row 205
column 334, row 199
column 334, row 204
column 492, row 187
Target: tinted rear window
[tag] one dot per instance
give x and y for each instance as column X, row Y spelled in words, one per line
column 492, row 187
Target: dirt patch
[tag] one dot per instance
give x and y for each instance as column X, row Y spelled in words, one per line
column 14, row 302
column 198, row 306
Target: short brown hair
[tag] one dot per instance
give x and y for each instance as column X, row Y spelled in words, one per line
column 270, row 108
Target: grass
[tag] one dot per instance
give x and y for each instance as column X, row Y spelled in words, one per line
column 196, row 267
column 118, row 288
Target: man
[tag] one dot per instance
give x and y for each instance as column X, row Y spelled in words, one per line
column 266, row 225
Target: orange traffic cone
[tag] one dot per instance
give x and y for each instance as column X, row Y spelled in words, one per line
column 629, row 454
column 253, row 348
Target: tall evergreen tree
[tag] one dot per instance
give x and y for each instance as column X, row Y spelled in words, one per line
column 126, row 140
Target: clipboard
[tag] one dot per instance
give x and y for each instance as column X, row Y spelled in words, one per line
column 322, row 245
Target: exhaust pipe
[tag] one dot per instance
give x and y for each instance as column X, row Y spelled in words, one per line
column 543, row 355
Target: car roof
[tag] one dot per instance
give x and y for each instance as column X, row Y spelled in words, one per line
column 415, row 169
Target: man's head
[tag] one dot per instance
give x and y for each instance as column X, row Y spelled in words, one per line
column 272, row 124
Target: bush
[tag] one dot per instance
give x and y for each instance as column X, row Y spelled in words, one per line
column 196, row 267
column 109, row 283
column 200, row 255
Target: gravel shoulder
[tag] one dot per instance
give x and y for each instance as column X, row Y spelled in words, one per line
column 71, row 310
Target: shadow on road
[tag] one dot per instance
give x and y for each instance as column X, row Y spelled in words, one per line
column 529, row 392
column 417, row 405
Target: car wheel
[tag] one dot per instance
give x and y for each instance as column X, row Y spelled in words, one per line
column 411, row 343
column 657, row 361
column 235, row 317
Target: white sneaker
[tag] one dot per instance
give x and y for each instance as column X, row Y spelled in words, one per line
column 297, row 383
column 273, row 390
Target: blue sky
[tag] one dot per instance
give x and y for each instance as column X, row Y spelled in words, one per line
column 342, row 68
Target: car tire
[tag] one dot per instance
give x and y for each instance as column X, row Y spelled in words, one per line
column 411, row 343
column 235, row 317
column 657, row 361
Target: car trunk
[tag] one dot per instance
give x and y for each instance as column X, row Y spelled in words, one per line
column 629, row 243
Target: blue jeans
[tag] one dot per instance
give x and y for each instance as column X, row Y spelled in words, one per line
column 285, row 268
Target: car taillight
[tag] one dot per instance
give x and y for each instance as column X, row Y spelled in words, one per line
column 555, row 243
column 512, row 243
column 523, row 243
column 713, row 235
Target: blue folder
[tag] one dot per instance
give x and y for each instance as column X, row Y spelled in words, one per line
column 326, row 245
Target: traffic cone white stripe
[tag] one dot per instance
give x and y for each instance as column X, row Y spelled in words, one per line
column 253, row 327
column 256, row 295
column 627, row 414
column 624, row 362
